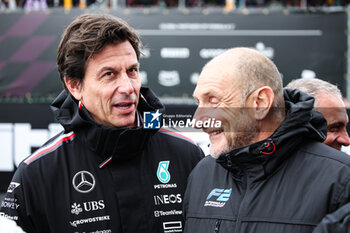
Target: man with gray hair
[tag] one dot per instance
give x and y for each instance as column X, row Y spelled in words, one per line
column 329, row 102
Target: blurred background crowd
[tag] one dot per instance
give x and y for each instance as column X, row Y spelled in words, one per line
column 43, row 4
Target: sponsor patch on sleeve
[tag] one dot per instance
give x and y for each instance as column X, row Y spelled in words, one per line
column 12, row 187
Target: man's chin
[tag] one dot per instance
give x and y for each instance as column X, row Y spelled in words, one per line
column 215, row 156
column 215, row 152
column 128, row 123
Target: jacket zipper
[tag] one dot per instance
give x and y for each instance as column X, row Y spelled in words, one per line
column 217, row 226
column 229, row 162
column 241, row 206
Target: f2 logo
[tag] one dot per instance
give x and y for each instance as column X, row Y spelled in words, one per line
column 222, row 194
column 162, row 172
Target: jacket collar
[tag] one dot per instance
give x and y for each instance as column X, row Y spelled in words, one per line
column 301, row 124
column 119, row 143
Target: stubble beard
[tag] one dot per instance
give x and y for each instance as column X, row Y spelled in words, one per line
column 243, row 136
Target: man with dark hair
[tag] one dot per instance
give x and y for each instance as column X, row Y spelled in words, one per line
column 105, row 172
column 269, row 171
column 329, row 102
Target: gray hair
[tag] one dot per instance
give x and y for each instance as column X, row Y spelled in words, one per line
column 314, row 87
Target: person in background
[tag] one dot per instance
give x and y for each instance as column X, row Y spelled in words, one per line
column 35, row 5
column 329, row 102
column 105, row 172
column 269, row 170
column 9, row 226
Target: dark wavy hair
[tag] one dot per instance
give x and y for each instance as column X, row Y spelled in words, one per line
column 87, row 35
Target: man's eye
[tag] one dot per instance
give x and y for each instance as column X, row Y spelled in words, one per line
column 333, row 129
column 133, row 71
column 213, row 100
column 108, row 74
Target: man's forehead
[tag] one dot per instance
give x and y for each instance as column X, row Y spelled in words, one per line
column 332, row 108
column 198, row 91
column 206, row 86
column 329, row 100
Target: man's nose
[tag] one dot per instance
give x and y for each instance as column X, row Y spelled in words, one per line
column 201, row 114
column 197, row 116
column 344, row 139
column 125, row 86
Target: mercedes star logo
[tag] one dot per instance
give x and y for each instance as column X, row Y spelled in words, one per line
column 84, row 182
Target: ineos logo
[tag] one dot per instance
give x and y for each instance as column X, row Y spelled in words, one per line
column 83, row 182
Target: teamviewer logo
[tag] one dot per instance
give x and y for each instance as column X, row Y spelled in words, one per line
column 151, row 120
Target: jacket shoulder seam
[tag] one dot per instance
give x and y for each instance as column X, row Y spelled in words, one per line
column 339, row 195
column 50, row 147
column 176, row 135
column 324, row 156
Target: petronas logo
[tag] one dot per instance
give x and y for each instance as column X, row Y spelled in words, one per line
column 162, row 172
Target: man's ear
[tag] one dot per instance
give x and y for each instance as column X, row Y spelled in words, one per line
column 261, row 102
column 74, row 87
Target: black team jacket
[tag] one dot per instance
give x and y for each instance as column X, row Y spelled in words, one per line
column 93, row 178
column 284, row 184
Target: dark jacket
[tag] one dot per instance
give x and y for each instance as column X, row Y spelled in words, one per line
column 284, row 184
column 336, row 222
column 93, row 178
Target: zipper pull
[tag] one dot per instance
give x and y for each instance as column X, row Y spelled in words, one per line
column 229, row 162
column 217, row 226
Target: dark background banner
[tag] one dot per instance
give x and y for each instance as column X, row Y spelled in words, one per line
column 178, row 44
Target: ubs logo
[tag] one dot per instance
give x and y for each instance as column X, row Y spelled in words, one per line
column 87, row 206
column 83, row 182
